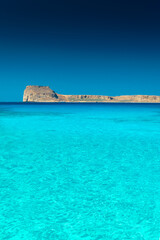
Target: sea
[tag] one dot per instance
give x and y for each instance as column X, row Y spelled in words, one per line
column 72, row 171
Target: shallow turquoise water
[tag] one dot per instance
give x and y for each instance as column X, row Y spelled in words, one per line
column 80, row 171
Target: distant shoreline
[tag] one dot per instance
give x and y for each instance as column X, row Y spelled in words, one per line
column 44, row 94
column 59, row 103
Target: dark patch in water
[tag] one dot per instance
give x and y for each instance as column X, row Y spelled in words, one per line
column 24, row 114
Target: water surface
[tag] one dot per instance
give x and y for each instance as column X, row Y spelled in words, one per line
column 80, row 171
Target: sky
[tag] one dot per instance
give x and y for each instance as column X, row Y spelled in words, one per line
column 103, row 47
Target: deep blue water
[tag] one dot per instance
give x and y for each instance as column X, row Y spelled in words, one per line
column 80, row 171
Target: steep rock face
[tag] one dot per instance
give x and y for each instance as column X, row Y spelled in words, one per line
column 39, row 94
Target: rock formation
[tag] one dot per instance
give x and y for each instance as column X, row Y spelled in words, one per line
column 39, row 94
column 45, row 94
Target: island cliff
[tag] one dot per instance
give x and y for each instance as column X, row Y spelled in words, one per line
column 45, row 94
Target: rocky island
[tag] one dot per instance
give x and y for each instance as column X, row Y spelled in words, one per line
column 45, row 94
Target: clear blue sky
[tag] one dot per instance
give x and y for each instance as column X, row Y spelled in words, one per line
column 85, row 49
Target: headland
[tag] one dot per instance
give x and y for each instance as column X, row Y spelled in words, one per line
column 46, row 94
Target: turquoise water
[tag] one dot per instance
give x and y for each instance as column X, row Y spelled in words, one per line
column 80, row 171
